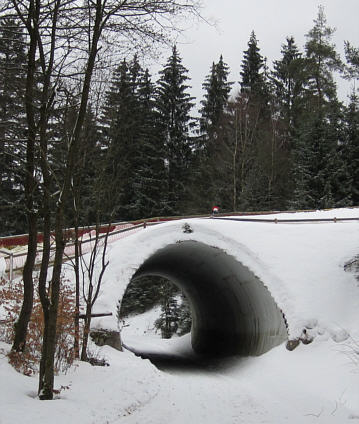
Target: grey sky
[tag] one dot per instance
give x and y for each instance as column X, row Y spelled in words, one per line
column 271, row 20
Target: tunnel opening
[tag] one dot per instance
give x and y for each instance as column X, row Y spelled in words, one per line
column 233, row 313
column 165, row 305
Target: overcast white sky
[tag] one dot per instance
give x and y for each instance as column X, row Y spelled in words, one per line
column 271, row 20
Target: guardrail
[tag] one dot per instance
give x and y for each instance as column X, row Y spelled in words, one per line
column 20, row 240
column 9, row 263
column 277, row 221
column 16, row 261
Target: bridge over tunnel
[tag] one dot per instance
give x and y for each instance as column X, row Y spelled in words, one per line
column 232, row 310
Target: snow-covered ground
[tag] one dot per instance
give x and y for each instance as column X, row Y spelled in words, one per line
column 313, row 384
column 302, row 266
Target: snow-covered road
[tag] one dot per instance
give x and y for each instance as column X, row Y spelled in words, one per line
column 278, row 387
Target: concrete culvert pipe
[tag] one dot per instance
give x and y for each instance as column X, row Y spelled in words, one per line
column 232, row 310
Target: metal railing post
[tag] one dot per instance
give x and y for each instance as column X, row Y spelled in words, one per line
column 11, row 267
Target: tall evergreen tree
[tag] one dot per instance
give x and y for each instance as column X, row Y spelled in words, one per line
column 120, row 129
column 351, row 146
column 135, row 147
column 90, row 185
column 320, row 173
column 352, row 56
column 209, row 177
column 150, row 176
column 288, row 78
column 314, row 161
column 286, row 101
column 217, row 89
column 253, row 132
column 12, row 126
column 173, row 104
column 322, row 61
column 253, row 69
column 169, row 319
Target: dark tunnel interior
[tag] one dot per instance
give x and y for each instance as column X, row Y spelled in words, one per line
column 232, row 310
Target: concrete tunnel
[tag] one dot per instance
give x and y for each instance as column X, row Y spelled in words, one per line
column 232, row 310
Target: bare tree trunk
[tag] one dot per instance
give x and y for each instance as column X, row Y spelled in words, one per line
column 46, row 378
column 77, row 292
column 87, row 326
column 94, row 284
column 235, row 150
column 30, row 188
column 21, row 325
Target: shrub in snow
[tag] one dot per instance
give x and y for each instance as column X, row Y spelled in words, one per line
column 28, row 362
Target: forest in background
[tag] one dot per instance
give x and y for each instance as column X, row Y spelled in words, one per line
column 283, row 141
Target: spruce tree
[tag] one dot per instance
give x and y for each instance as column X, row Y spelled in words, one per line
column 351, row 146
column 319, row 171
column 253, row 67
column 120, row 129
column 135, row 155
column 313, row 178
column 12, row 126
column 168, row 321
column 352, row 56
column 288, row 79
column 173, row 105
column 253, row 135
column 287, row 91
column 217, row 89
column 90, row 182
column 150, row 174
column 322, row 61
column 210, row 178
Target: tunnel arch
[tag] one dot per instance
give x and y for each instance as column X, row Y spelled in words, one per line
column 232, row 310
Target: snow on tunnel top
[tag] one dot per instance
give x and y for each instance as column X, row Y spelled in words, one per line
column 301, row 264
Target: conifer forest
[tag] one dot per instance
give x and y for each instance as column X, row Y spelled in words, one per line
column 282, row 141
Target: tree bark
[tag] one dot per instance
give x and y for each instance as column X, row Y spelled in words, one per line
column 77, row 291
column 21, row 325
column 86, row 331
column 46, row 378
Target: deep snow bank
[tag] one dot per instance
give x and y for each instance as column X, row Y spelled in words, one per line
column 88, row 395
column 300, row 264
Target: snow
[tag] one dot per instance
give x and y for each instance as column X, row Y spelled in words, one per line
column 94, row 394
column 302, row 266
column 300, row 263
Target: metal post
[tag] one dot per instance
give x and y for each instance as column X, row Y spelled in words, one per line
column 11, row 267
